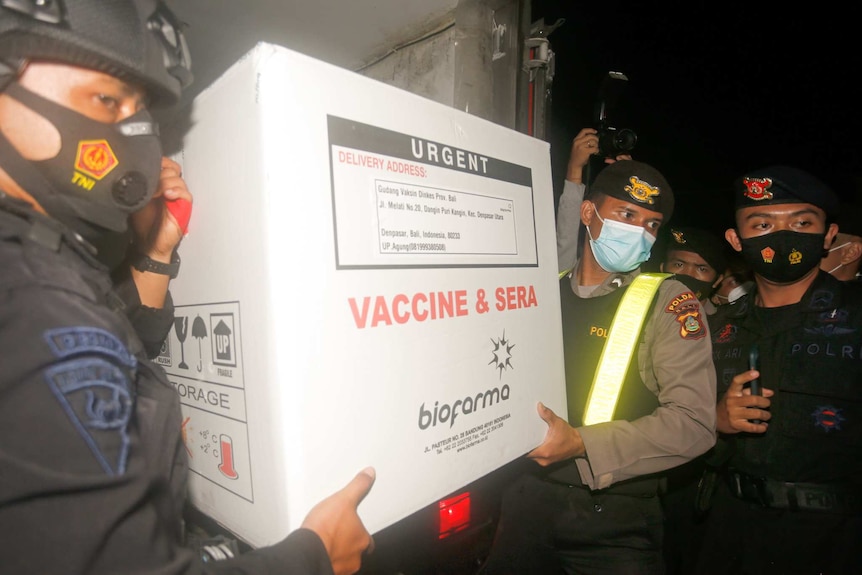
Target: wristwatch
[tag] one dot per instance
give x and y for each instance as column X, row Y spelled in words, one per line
column 147, row 264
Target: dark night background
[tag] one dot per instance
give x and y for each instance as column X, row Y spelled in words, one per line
column 714, row 90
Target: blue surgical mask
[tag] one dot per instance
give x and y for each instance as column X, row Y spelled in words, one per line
column 620, row 247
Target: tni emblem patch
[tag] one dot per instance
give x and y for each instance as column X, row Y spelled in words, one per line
column 95, row 158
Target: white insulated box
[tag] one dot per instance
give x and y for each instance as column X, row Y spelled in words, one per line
column 369, row 279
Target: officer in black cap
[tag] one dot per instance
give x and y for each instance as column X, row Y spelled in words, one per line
column 697, row 258
column 591, row 504
column 92, row 465
column 782, row 255
column 789, row 375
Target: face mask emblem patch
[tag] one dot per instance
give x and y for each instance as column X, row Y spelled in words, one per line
column 94, row 160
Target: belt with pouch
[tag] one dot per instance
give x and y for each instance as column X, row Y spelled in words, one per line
column 821, row 497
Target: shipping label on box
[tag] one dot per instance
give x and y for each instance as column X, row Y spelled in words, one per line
column 369, row 279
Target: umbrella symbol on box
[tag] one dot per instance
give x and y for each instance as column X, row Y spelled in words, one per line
column 199, row 331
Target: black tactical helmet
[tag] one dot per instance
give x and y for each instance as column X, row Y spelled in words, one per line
column 139, row 41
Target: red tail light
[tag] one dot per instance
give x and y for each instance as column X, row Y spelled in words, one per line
column 454, row 514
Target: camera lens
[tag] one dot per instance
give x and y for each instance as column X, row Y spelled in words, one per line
column 625, row 140
column 613, row 142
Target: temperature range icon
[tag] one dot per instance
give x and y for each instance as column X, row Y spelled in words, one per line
column 221, row 447
column 226, row 466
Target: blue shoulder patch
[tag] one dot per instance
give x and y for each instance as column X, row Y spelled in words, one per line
column 69, row 341
column 95, row 395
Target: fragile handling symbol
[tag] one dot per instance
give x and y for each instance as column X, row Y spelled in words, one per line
column 181, row 326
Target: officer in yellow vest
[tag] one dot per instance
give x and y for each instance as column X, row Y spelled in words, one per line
column 590, row 504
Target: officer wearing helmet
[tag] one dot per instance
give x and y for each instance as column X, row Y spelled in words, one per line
column 92, row 465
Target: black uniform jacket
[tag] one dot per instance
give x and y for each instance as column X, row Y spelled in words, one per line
column 92, row 463
column 811, row 357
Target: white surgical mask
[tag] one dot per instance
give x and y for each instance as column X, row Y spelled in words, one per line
column 833, row 270
column 839, row 247
column 736, row 292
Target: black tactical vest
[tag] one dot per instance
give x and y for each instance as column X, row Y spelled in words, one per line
column 811, row 357
column 53, row 255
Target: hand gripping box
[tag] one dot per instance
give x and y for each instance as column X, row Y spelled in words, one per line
column 369, row 279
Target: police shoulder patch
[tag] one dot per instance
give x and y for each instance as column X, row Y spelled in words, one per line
column 70, row 341
column 681, row 301
column 688, row 314
column 96, row 396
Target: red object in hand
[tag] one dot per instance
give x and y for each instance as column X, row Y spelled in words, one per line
column 182, row 211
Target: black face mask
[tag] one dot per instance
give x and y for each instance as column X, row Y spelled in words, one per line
column 102, row 173
column 702, row 289
column 785, row 256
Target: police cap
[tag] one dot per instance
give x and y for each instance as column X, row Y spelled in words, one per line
column 784, row 185
column 637, row 183
column 701, row 242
